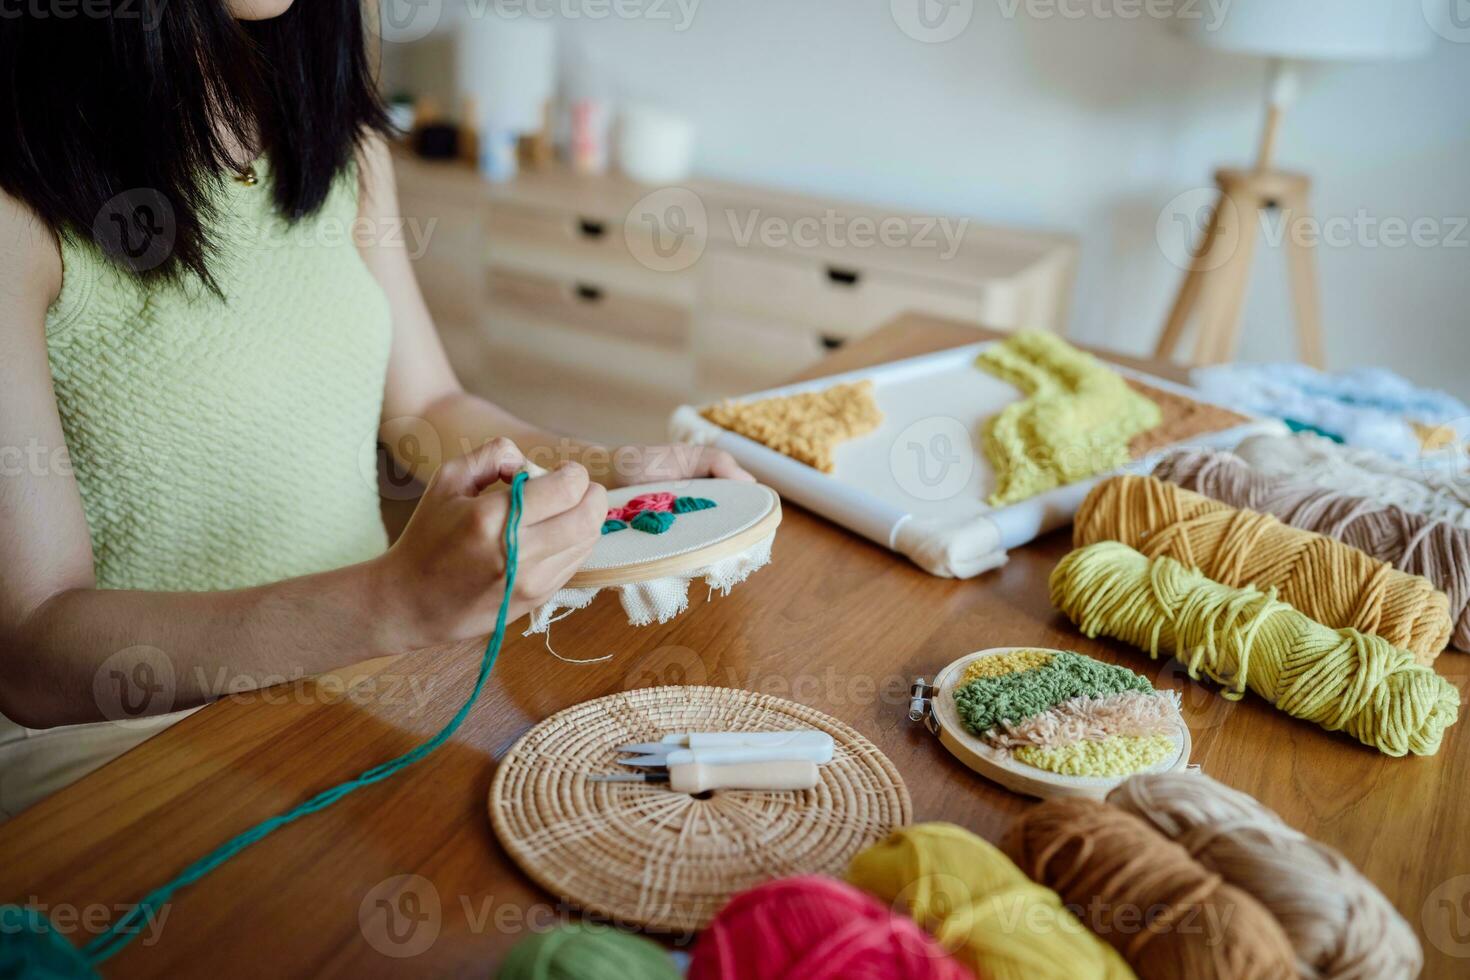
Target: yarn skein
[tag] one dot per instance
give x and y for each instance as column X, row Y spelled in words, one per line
column 1410, row 542
column 1341, row 679
column 1341, row 925
column 1167, row 914
column 1442, row 495
column 1333, row 583
column 980, row 907
column 816, row 928
column 577, row 951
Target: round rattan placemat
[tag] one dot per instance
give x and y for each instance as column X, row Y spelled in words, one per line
column 643, row 855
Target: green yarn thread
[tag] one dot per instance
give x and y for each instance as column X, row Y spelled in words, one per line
column 579, row 951
column 30, row 949
column 685, row 505
column 610, row 526
column 653, row 521
column 986, row 701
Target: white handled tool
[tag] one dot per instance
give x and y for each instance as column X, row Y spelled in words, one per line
column 699, row 778
column 724, row 740
column 799, row 751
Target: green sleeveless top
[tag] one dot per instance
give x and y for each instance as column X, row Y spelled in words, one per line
column 224, row 443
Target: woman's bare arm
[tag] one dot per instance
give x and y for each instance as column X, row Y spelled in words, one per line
column 61, row 638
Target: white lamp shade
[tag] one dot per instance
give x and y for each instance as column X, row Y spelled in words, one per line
column 509, row 66
column 1334, row 30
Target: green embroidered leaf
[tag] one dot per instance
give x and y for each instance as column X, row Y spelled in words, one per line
column 609, row 527
column 684, row 505
column 653, row 521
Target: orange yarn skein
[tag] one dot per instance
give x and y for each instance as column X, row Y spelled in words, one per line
column 1333, row 583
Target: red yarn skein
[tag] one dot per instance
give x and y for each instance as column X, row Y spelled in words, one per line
column 815, row 928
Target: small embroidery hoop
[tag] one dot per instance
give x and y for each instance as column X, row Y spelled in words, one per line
column 934, row 706
column 759, row 509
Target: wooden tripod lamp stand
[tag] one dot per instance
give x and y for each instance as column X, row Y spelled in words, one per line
column 1286, row 32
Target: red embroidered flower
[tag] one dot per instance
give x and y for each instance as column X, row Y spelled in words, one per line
column 636, row 506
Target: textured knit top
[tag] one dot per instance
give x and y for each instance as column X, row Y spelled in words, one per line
column 223, row 443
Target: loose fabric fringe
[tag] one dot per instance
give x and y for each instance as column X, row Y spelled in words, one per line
column 657, row 600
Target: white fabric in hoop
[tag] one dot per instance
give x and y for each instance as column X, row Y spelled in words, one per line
column 658, row 600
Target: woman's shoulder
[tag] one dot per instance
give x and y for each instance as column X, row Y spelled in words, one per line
column 30, row 257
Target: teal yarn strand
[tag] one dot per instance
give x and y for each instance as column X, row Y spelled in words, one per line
column 32, row 940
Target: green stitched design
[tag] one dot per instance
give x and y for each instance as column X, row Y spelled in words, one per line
column 653, row 521
column 985, row 701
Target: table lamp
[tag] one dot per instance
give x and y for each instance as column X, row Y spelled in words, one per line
column 1286, row 33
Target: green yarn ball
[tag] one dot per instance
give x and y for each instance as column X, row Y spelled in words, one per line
column 32, row 949
column 577, row 951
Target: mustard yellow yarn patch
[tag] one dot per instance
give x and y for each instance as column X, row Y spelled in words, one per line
column 1075, row 421
column 1120, row 755
column 1004, row 663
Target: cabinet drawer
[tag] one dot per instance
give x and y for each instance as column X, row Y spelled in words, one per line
column 847, row 300
column 557, row 244
column 590, row 305
column 736, row 354
column 590, row 330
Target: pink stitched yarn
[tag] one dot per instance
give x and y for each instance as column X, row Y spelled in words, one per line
column 647, row 501
column 815, row 928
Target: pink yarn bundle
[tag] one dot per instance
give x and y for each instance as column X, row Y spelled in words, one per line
column 815, row 928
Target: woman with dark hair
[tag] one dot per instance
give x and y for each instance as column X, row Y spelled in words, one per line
column 194, row 361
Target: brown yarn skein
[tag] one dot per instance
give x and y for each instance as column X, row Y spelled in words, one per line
column 1143, row 894
column 1342, row 926
column 1333, row 583
column 1410, row 542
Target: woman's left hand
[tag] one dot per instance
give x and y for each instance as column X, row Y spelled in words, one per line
column 657, row 464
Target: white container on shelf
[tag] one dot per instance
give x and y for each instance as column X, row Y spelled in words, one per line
column 654, row 146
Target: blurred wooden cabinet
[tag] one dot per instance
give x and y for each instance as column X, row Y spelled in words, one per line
column 597, row 305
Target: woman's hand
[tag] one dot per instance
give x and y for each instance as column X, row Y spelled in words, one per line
column 632, row 465
column 444, row 578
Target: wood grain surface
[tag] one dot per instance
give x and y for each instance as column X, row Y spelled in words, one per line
column 833, row 622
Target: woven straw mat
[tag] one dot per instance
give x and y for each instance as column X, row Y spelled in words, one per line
column 644, row 855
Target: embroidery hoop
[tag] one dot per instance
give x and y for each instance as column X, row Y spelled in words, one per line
column 723, row 546
column 934, row 706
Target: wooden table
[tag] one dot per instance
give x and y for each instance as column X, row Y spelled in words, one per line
column 834, row 622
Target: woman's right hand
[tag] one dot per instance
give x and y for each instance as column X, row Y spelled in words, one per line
column 444, row 578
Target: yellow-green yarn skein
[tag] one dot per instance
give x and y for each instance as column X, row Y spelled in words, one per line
column 1116, row 755
column 1075, row 421
column 1332, row 582
column 1341, row 679
column 982, row 908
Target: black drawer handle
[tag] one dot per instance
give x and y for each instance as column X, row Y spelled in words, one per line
column 588, row 293
column 831, row 342
column 843, row 277
column 591, row 227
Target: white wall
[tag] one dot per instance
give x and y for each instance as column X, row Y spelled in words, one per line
column 1088, row 124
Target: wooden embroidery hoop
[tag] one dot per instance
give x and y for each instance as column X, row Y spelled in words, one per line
column 724, row 546
column 934, row 705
